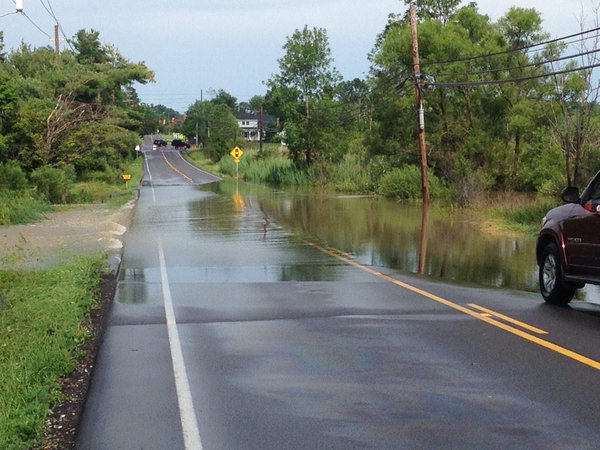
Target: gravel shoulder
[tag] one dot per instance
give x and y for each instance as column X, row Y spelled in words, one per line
column 64, row 234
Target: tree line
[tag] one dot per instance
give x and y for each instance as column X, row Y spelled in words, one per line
column 506, row 107
column 67, row 117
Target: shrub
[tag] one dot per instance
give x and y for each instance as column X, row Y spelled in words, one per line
column 53, row 183
column 12, row 176
column 405, row 183
column 20, row 207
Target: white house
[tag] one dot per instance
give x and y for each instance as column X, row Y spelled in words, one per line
column 248, row 123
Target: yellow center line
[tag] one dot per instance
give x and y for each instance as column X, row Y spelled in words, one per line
column 477, row 315
column 508, row 319
column 175, row 168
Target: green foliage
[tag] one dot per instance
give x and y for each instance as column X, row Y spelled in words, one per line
column 405, row 183
column 21, row 207
column 41, row 319
column 275, row 171
column 350, row 175
column 529, row 215
column 217, row 127
column 12, row 176
column 57, row 115
column 53, row 183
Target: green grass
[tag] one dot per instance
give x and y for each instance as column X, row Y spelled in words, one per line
column 41, row 315
column 17, row 207
column 201, row 160
column 115, row 194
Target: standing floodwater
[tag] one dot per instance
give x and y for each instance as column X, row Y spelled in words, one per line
column 447, row 245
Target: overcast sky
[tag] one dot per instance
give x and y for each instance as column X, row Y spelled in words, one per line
column 206, row 45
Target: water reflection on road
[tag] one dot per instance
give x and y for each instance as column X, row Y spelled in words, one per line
column 439, row 243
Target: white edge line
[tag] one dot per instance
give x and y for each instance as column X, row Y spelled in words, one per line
column 150, row 175
column 189, row 425
column 198, row 169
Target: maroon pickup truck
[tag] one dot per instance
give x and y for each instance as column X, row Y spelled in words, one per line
column 568, row 246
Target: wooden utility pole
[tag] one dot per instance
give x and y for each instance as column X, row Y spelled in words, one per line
column 56, row 45
column 261, row 127
column 419, row 103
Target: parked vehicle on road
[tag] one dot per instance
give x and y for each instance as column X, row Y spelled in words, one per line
column 568, row 245
column 160, row 142
column 178, row 144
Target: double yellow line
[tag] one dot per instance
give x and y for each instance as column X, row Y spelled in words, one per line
column 175, row 168
column 488, row 316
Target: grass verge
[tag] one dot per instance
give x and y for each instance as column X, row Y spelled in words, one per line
column 42, row 316
column 17, row 207
column 102, row 192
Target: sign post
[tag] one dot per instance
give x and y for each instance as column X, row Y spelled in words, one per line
column 236, row 154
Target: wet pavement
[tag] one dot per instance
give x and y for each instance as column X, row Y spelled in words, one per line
column 291, row 339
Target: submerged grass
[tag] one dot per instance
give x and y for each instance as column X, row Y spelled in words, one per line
column 41, row 316
column 517, row 212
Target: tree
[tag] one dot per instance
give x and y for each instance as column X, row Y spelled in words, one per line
column 217, row 126
column 574, row 107
column 441, row 10
column 42, row 106
column 306, row 69
column 89, row 49
column 225, row 98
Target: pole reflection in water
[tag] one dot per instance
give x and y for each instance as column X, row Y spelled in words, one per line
column 423, row 243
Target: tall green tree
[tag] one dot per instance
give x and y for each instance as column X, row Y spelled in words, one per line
column 306, row 70
column 217, row 127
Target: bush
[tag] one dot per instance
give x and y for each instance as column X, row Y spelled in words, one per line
column 405, row 183
column 53, row 183
column 12, row 176
column 20, row 207
column 349, row 175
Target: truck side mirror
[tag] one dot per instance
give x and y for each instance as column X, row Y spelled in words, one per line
column 570, row 194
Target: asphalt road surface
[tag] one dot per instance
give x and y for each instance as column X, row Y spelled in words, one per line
column 230, row 332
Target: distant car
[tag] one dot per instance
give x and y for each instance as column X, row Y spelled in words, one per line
column 568, row 245
column 160, row 143
column 178, row 144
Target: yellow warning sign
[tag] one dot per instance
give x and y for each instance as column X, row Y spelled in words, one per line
column 236, row 153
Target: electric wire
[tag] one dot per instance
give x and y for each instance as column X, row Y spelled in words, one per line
column 35, row 24
column 509, row 80
column 52, row 14
column 8, row 14
column 512, row 51
column 504, row 69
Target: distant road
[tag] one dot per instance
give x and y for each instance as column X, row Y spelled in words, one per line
column 167, row 166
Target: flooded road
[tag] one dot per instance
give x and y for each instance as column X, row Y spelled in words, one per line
column 247, row 318
column 446, row 245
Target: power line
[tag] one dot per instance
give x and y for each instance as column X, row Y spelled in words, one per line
column 35, row 24
column 504, row 69
column 50, row 11
column 509, row 80
column 508, row 52
column 8, row 14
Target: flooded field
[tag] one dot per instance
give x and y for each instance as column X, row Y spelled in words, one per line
column 447, row 245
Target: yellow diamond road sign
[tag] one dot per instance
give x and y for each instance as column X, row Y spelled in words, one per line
column 236, row 153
